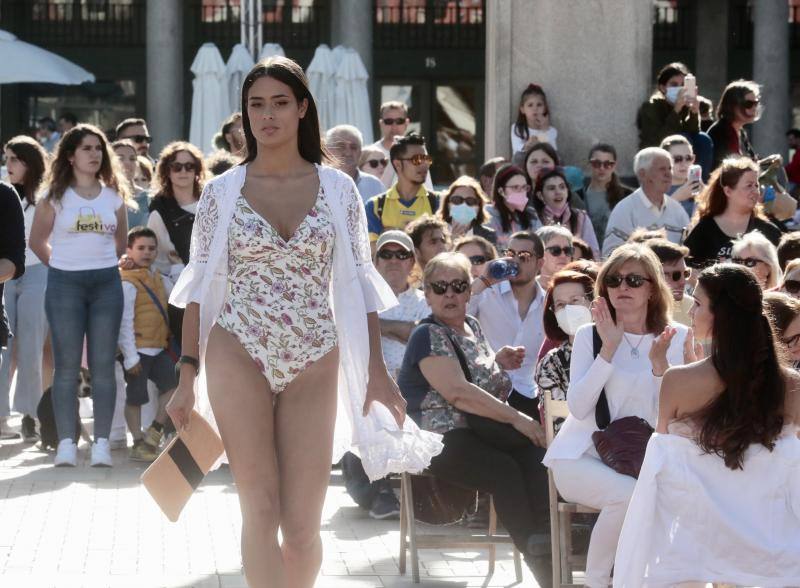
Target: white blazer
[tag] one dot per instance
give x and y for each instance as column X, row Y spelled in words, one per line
column 356, row 289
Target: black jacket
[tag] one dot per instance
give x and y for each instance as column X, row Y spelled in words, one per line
column 12, row 243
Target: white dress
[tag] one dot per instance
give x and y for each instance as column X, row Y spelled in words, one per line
column 357, row 288
column 692, row 519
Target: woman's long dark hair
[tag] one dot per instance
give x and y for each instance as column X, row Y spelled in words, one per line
column 287, row 71
column 615, row 191
column 538, row 202
column 521, row 125
column 35, row 158
column 750, row 410
column 505, row 173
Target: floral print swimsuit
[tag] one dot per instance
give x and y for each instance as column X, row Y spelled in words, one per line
column 277, row 300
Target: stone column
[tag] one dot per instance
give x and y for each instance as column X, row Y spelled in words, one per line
column 165, row 72
column 711, row 57
column 351, row 25
column 593, row 59
column 771, row 70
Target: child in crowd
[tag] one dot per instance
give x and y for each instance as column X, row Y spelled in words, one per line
column 533, row 121
column 144, row 341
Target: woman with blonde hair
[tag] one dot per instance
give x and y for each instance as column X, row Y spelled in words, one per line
column 463, row 208
column 728, row 207
column 754, row 251
column 621, row 358
column 79, row 230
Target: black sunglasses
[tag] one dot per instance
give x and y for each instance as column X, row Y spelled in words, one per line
column 374, row 163
column 389, row 254
column 597, row 163
column 177, row 166
column 750, row 262
column 441, row 287
column 632, row 280
column 677, row 274
column 469, row 200
column 393, row 121
column 478, row 259
column 792, row 286
column 748, row 104
column 141, row 138
column 555, row 250
column 521, row 255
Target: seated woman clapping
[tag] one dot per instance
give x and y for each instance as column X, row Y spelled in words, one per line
column 443, row 396
column 637, row 343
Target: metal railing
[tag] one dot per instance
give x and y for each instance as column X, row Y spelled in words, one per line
column 429, row 24
column 674, row 24
column 741, row 25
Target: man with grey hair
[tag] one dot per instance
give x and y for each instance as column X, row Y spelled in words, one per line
column 648, row 207
column 344, row 142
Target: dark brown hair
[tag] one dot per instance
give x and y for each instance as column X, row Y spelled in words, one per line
column 475, row 186
column 712, row 201
column 486, row 246
column 565, row 276
column 676, row 68
column 521, row 126
column 538, row 201
column 505, row 173
column 733, row 98
column 35, row 158
column 60, row 174
column 162, row 187
column 750, row 409
column 615, row 191
column 417, row 228
column 781, row 308
column 667, row 251
column 139, row 232
column 287, row 71
column 788, row 248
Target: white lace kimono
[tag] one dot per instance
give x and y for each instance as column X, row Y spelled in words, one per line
column 357, row 288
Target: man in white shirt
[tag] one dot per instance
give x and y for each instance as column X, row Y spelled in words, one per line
column 344, row 142
column 511, row 313
column 648, row 207
column 393, row 122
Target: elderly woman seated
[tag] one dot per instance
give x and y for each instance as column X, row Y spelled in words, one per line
column 455, row 385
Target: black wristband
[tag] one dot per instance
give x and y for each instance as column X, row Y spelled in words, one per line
column 186, row 359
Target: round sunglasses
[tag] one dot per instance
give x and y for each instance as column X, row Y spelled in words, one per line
column 376, row 163
column 677, row 275
column 556, row 251
column 441, row 287
column 632, row 280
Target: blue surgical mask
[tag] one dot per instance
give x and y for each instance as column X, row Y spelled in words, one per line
column 463, row 214
column 672, row 94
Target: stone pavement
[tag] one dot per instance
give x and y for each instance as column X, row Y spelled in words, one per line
column 97, row 527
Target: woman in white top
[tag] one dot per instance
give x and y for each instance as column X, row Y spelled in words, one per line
column 281, row 296
column 718, row 499
column 24, row 297
column 632, row 317
column 79, row 231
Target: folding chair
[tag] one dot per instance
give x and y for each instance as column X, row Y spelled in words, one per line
column 564, row 561
column 411, row 541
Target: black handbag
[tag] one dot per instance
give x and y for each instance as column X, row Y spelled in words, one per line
column 499, row 435
column 621, row 444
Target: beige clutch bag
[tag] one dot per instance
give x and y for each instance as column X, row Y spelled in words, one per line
column 182, row 465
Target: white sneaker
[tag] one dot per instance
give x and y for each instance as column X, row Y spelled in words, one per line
column 101, row 453
column 67, row 453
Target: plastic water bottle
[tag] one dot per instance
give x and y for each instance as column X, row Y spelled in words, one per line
column 501, row 269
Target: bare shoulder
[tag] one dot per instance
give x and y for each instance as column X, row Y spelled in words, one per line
column 691, row 386
column 792, row 405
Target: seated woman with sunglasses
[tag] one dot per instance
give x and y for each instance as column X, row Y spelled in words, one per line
column 729, row 206
column 558, row 252
column 718, row 498
column 479, row 252
column 632, row 318
column 784, row 312
column 463, row 208
column 510, row 210
column 755, row 252
column 739, row 105
column 790, row 283
column 554, row 203
column 682, row 189
column 602, row 189
column 373, row 161
column 439, row 393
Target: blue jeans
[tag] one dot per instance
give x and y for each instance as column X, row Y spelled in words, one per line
column 24, row 302
column 85, row 303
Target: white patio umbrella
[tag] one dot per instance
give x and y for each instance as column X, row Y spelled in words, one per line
column 321, row 74
column 270, row 50
column 21, row 62
column 352, row 98
column 209, row 98
column 239, row 64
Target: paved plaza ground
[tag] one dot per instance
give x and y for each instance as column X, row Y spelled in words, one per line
column 98, row 527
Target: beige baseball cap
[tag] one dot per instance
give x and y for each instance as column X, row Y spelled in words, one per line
column 395, row 236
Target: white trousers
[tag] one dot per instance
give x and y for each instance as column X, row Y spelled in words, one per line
column 590, row 482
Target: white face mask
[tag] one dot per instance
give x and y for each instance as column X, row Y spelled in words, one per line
column 672, row 94
column 572, row 317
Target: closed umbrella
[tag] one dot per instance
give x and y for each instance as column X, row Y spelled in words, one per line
column 209, row 97
column 352, row 97
column 321, row 74
column 271, row 50
column 239, row 65
column 21, row 62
